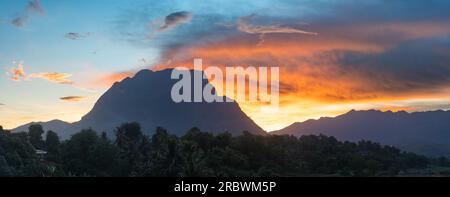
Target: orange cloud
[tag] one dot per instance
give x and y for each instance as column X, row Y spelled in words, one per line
column 61, row 78
column 343, row 68
column 324, row 67
column 17, row 73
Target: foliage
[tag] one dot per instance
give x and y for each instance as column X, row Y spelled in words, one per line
column 35, row 132
column 197, row 154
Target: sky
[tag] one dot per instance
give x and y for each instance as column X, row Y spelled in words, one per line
column 58, row 56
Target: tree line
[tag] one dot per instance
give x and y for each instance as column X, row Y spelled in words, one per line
column 197, row 154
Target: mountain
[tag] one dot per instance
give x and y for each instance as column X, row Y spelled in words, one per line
column 421, row 132
column 146, row 98
column 53, row 125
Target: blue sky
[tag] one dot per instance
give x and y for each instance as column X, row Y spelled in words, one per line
column 42, row 47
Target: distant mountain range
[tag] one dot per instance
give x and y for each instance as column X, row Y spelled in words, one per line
column 63, row 128
column 146, row 98
column 421, row 132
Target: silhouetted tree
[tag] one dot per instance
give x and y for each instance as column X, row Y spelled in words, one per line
column 104, row 157
column 2, row 131
column 134, row 149
column 86, row 154
column 166, row 157
column 5, row 170
column 203, row 140
column 52, row 144
column 75, row 153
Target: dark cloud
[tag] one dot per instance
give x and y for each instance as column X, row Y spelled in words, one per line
column 75, row 36
column 212, row 22
column 174, row 19
column 170, row 21
column 133, row 27
column 322, row 16
column 419, row 65
column 33, row 7
column 1, row 104
column 73, row 98
column 20, row 21
column 244, row 25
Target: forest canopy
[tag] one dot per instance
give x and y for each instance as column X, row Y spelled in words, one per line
column 200, row 154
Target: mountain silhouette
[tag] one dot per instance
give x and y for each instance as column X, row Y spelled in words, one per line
column 146, row 99
column 53, row 125
column 421, row 132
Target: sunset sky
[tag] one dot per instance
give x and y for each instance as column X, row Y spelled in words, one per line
column 58, row 56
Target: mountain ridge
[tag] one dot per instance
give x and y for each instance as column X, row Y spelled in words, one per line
column 421, row 132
